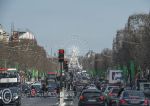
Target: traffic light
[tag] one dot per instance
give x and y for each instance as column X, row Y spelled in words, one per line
column 61, row 55
column 65, row 66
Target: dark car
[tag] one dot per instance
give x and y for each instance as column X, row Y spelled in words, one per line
column 132, row 98
column 53, row 89
column 12, row 96
column 53, row 86
column 147, row 95
column 37, row 87
column 91, row 97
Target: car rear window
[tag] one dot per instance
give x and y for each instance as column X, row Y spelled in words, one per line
column 91, row 94
column 131, row 94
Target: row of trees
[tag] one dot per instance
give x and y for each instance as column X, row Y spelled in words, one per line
column 130, row 47
column 26, row 55
column 132, row 44
column 97, row 63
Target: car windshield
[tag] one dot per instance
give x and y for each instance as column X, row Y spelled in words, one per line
column 133, row 94
column 52, row 85
column 8, row 75
column 37, row 87
column 91, row 94
column 7, row 85
column 51, row 76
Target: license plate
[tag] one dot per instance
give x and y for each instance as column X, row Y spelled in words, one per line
column 92, row 100
column 134, row 101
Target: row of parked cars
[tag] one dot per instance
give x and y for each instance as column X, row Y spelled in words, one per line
column 112, row 95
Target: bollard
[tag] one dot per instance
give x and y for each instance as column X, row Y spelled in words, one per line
column 61, row 100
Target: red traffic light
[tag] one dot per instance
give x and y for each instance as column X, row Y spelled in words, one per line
column 61, row 55
column 61, row 51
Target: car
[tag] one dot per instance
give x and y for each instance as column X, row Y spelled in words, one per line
column 79, row 87
column 112, row 97
column 147, row 95
column 91, row 97
column 53, row 88
column 38, row 88
column 14, row 97
column 90, row 86
column 148, row 99
column 84, row 80
column 132, row 98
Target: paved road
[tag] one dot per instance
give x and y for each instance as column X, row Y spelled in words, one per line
column 75, row 98
column 39, row 101
column 45, row 101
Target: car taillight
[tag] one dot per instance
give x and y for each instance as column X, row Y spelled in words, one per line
column 146, row 102
column 81, row 97
column 102, row 98
column 123, row 101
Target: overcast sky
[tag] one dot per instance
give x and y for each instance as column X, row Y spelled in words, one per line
column 87, row 24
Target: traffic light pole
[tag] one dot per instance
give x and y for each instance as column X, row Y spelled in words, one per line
column 61, row 68
column 61, row 95
column 61, row 60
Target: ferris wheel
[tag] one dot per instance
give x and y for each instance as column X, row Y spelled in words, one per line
column 74, row 62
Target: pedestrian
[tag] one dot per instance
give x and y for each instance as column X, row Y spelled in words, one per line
column 75, row 91
column 58, row 90
column 46, row 90
column 43, row 89
column 120, row 90
column 33, row 91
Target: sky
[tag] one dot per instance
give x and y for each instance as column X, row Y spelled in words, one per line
column 85, row 24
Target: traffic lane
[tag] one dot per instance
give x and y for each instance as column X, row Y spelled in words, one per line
column 39, row 101
column 70, row 99
column 49, row 101
column 46, row 101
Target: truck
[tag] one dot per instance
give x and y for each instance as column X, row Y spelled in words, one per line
column 10, row 90
column 114, row 76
